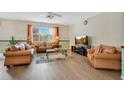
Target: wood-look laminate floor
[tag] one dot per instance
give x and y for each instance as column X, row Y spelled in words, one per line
column 74, row 67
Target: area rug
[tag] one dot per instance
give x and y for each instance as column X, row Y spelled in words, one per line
column 41, row 58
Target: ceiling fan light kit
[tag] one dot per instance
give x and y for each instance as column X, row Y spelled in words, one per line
column 51, row 15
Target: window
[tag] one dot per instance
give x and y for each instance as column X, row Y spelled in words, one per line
column 44, row 34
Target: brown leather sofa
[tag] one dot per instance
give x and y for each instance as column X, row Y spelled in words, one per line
column 41, row 47
column 17, row 56
column 104, row 56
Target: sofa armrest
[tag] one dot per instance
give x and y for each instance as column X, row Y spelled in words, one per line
column 116, row 56
column 90, row 51
column 17, row 53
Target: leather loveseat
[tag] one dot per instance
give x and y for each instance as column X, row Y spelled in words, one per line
column 18, row 54
column 41, row 47
column 103, row 56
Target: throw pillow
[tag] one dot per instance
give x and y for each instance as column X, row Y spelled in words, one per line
column 27, row 46
column 14, row 48
column 22, row 46
column 48, row 44
column 98, row 49
column 45, row 44
column 41, row 44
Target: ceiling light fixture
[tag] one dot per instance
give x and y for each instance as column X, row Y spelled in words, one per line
column 50, row 16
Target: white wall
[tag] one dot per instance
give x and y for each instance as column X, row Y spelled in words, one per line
column 75, row 30
column 106, row 28
column 15, row 28
column 19, row 29
column 64, row 32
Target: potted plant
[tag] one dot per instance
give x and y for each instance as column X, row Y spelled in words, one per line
column 12, row 41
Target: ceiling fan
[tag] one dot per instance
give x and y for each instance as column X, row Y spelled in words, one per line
column 51, row 15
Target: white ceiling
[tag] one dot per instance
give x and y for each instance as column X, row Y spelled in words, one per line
column 67, row 18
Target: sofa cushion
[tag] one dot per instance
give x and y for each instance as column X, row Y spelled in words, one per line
column 108, row 49
column 14, row 48
column 35, row 43
column 55, row 41
column 17, row 53
column 48, row 44
column 115, row 56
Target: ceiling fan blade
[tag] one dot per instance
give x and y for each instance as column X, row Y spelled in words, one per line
column 43, row 15
column 54, row 14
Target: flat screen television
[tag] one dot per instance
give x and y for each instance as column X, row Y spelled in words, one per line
column 81, row 40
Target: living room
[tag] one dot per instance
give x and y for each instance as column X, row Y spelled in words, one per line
column 103, row 30
column 61, row 46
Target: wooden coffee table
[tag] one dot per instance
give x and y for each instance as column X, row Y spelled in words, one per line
column 56, row 50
